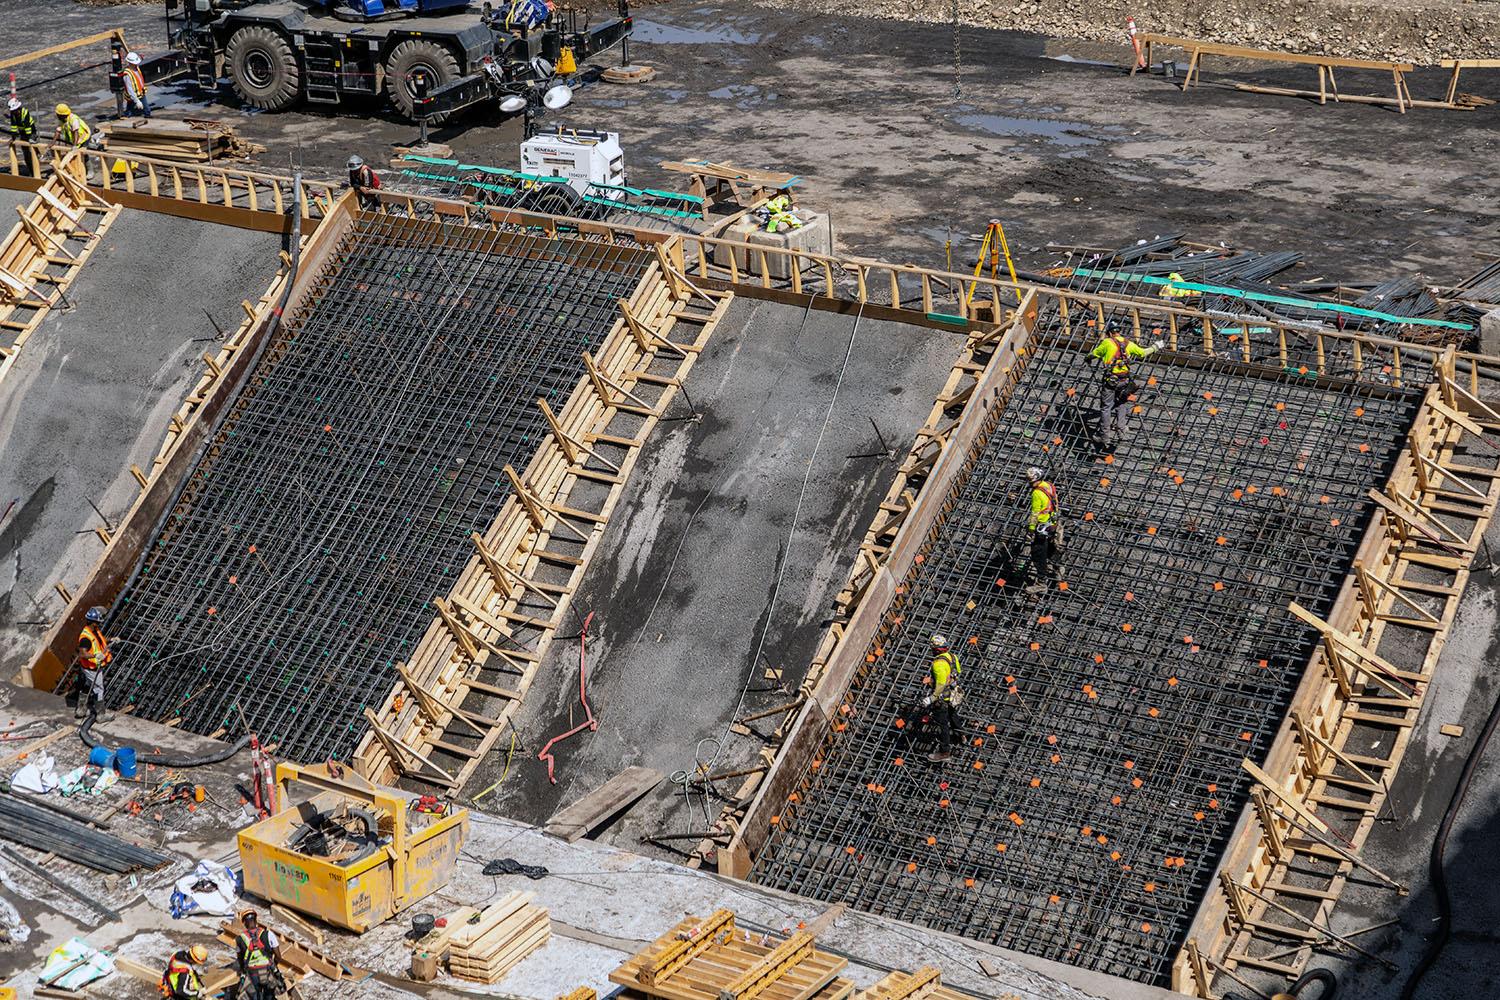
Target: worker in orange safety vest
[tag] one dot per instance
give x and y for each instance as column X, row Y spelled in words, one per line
column 93, row 657
column 135, row 86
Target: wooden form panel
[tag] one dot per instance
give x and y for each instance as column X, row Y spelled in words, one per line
column 1327, row 778
column 43, row 253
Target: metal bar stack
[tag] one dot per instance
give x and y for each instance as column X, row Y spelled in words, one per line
column 1098, row 775
column 338, row 493
column 39, row 829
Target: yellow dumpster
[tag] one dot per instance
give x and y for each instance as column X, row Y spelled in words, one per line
column 351, row 854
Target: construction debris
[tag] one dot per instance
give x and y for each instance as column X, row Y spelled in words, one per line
column 44, row 830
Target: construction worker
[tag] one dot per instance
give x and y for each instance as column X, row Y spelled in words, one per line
column 22, row 124
column 256, row 957
column 778, row 213
column 365, row 183
column 945, row 672
column 135, row 86
column 181, row 981
column 1043, row 525
column 1114, row 354
column 93, row 657
column 71, row 130
column 1173, row 288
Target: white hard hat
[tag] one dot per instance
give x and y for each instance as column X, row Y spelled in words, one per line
column 355, row 162
column 940, row 641
column 14, row 104
column 133, row 58
column 1034, row 473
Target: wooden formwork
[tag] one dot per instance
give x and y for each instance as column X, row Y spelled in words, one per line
column 44, row 251
column 492, row 630
column 1327, row 778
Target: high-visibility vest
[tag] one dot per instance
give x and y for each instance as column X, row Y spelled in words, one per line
column 73, row 131
column 945, row 671
column 135, row 82
column 1169, row 292
column 256, row 953
column 1120, row 365
column 1049, row 503
column 180, row 979
column 98, row 654
column 22, row 124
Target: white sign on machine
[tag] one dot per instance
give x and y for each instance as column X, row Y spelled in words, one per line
column 581, row 156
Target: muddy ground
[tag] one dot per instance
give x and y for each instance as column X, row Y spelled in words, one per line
column 1047, row 134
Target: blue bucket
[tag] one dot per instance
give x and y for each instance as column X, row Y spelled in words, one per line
column 125, row 762
column 102, row 757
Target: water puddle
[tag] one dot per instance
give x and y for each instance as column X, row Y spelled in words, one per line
column 1061, row 132
column 671, row 34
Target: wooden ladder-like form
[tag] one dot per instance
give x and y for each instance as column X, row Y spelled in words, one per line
column 51, row 241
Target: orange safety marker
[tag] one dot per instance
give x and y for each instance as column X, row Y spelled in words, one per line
column 1151, row 529
column 1146, row 928
column 1126, row 627
column 1213, row 803
column 1098, row 658
column 1044, row 620
column 1000, row 848
column 1218, row 585
column 1115, row 800
column 849, row 849
column 1035, row 646
column 1054, row 899
column 1153, row 712
column 978, row 741
column 968, row 883
column 1016, row 819
column 1036, row 782
column 775, row 820
column 1129, row 595
column 1129, row 765
column 1198, row 815
column 990, row 729
column 1088, row 831
column 899, row 762
column 1114, row 855
column 213, row 611
column 979, row 765
column 1062, row 584
column 931, row 841
column 1104, row 482
column 1363, row 448
column 1052, row 739
column 234, row 580
column 973, row 640
column 1246, row 736
column 1334, row 521
column 1000, row 581
column 911, row 866
column 1149, row 887
column 1171, row 682
column 1136, row 782
column 1102, row 839
column 919, row 560
column 1056, row 758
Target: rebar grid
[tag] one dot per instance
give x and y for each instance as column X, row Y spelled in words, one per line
column 1098, row 776
column 337, row 495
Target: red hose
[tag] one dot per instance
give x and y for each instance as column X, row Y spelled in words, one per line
column 588, row 722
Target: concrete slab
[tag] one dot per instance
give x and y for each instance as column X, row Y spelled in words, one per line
column 93, row 391
column 700, row 583
column 9, row 202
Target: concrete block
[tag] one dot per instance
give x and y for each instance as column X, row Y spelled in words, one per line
column 1489, row 332
column 815, row 236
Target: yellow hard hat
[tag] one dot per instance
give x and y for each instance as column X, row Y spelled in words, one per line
column 63, row 111
column 199, row 953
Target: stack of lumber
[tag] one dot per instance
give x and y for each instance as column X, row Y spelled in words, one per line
column 506, row 932
column 191, row 141
column 924, row 984
column 708, row 959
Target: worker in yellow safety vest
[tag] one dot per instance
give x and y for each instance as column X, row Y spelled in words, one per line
column 779, row 214
column 944, row 697
column 1173, row 288
column 256, row 957
column 93, row 657
column 71, row 129
column 1114, row 354
column 1045, row 531
column 181, row 980
column 135, row 86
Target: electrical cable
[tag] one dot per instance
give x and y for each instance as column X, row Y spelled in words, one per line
column 1435, row 862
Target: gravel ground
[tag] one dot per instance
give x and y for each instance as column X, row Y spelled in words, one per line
column 1417, row 31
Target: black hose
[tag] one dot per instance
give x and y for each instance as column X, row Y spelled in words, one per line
column 1435, row 862
column 1325, row 976
column 164, row 760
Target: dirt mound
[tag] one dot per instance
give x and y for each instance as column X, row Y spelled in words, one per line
column 1418, row 31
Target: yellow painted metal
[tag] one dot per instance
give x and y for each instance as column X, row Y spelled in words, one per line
column 412, row 864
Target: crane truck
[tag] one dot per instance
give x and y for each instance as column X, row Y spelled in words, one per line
column 431, row 58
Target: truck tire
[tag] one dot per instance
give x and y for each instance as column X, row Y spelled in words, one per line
column 433, row 58
column 263, row 68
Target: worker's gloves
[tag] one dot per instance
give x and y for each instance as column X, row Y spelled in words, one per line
column 927, row 702
column 1158, row 345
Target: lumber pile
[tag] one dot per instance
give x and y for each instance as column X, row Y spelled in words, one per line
column 194, row 140
column 506, row 932
column 709, row 959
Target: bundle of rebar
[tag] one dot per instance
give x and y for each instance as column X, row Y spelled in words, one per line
column 29, row 826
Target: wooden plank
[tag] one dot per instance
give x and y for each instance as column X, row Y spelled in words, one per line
column 61, row 47
column 575, row 821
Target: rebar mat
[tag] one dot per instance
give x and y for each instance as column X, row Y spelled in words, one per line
column 1099, row 772
column 337, row 494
